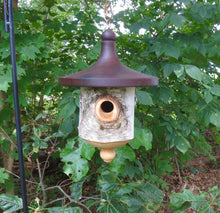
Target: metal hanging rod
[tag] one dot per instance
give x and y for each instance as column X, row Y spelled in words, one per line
column 9, row 28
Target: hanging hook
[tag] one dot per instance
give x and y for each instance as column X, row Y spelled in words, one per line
column 108, row 9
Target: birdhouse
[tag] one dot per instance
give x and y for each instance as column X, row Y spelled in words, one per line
column 107, row 99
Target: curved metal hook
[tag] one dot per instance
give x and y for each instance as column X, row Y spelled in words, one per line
column 106, row 8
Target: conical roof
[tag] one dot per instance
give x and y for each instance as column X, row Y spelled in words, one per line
column 108, row 71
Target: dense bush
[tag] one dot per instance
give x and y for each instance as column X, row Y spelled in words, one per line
column 177, row 41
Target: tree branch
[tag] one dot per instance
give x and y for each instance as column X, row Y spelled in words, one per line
column 4, row 134
column 41, row 183
column 69, row 198
column 19, row 177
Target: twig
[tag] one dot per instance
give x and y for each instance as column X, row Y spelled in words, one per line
column 53, row 201
column 70, row 199
column 93, row 204
column 4, row 134
column 80, row 204
column 178, row 169
column 45, row 164
column 88, row 198
column 41, row 183
column 19, row 177
column 66, row 184
column 87, row 6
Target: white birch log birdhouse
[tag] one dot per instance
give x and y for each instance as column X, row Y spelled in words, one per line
column 107, row 99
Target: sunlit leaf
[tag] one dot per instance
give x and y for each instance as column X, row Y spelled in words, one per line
column 122, row 153
column 181, row 201
column 194, row 72
column 87, row 150
column 144, row 98
column 10, row 203
column 181, row 143
column 3, row 176
column 215, row 118
column 173, row 51
column 216, row 90
column 207, row 96
column 143, row 137
column 177, row 19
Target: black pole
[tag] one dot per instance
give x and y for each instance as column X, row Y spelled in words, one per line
column 9, row 27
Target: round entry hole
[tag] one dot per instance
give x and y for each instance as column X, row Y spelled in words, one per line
column 107, row 106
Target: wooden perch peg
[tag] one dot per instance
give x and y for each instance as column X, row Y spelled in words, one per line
column 107, row 155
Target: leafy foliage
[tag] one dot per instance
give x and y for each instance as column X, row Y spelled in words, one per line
column 138, row 196
column 76, row 160
column 201, row 203
column 177, row 41
column 10, row 203
column 3, row 176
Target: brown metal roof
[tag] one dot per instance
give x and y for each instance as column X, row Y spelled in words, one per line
column 108, row 71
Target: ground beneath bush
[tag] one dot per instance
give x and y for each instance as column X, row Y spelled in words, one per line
column 199, row 174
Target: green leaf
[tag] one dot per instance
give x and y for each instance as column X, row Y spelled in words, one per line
column 216, row 90
column 179, row 71
column 207, row 96
column 5, row 78
column 194, row 96
column 177, row 19
column 87, row 150
column 151, row 193
column 107, row 180
column 67, row 110
column 141, row 23
column 163, row 23
column 76, row 190
column 185, row 199
column 10, row 203
column 122, row 153
column 181, row 143
column 165, row 94
column 75, row 166
column 125, row 189
column 94, row 52
column 5, row 53
column 169, row 68
column 143, row 137
column 29, row 52
column 70, row 143
column 144, row 98
column 38, row 142
column 173, row 51
column 20, row 71
column 215, row 119
column 65, row 210
column 3, row 176
column 158, row 48
column 67, row 125
column 148, row 196
column 194, row 72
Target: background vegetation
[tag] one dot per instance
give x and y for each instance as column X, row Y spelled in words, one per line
column 177, row 41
